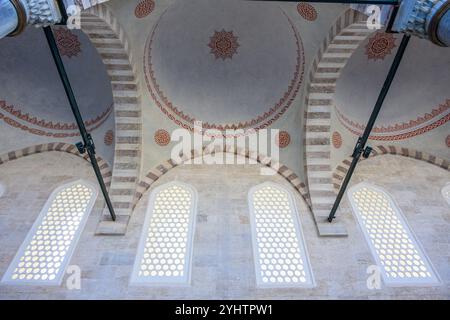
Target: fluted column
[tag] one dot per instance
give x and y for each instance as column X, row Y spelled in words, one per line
column 429, row 19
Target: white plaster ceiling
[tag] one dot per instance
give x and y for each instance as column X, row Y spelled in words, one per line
column 419, row 99
column 31, row 94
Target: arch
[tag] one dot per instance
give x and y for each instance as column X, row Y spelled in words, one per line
column 61, row 147
column 279, row 249
column 111, row 42
column 341, row 170
column 48, row 247
column 168, row 265
column 343, row 39
column 154, row 174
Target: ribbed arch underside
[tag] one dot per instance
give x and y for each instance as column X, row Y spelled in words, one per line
column 111, row 42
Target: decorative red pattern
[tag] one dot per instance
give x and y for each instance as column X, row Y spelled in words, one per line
column 307, row 11
column 275, row 112
column 283, row 139
column 223, row 44
column 67, row 42
column 162, row 137
column 49, row 124
column 407, row 135
column 144, row 8
column 380, row 45
column 398, row 126
column 336, row 140
column 39, row 132
column 109, row 138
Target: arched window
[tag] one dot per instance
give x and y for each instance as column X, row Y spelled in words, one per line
column 446, row 193
column 396, row 251
column 44, row 255
column 165, row 247
column 279, row 250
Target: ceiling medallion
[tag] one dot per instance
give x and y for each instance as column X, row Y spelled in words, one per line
column 67, row 42
column 144, row 8
column 307, row 11
column 109, row 137
column 283, row 139
column 336, row 140
column 380, row 46
column 223, row 44
column 162, row 137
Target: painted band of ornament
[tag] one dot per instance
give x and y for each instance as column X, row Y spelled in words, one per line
column 412, row 124
column 403, row 136
column 49, row 124
column 187, row 122
column 90, row 124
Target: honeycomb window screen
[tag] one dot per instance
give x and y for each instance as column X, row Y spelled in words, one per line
column 279, row 250
column 46, row 251
column 165, row 249
column 446, row 193
column 398, row 254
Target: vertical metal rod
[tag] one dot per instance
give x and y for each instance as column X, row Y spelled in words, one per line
column 87, row 138
column 361, row 144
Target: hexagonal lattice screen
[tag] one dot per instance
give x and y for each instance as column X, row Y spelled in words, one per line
column 47, row 249
column 165, row 248
column 281, row 258
column 446, row 193
column 394, row 247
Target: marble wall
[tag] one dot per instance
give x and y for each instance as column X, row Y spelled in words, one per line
column 222, row 255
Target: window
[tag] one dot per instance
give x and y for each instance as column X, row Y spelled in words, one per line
column 394, row 247
column 49, row 245
column 165, row 248
column 281, row 258
column 446, row 193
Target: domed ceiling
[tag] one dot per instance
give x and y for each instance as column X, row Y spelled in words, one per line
column 32, row 97
column 419, row 99
column 230, row 64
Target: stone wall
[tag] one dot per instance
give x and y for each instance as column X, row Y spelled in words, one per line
column 222, row 253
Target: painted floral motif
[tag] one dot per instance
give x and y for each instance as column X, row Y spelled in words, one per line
column 307, row 11
column 144, row 8
column 223, row 44
column 283, row 139
column 109, row 138
column 336, row 140
column 380, row 45
column 67, row 42
column 162, row 137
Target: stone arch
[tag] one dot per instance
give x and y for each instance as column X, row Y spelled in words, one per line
column 110, row 40
column 343, row 39
column 61, row 147
column 341, row 170
column 154, row 174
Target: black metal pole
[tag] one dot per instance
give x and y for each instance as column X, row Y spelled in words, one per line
column 360, row 148
column 88, row 143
